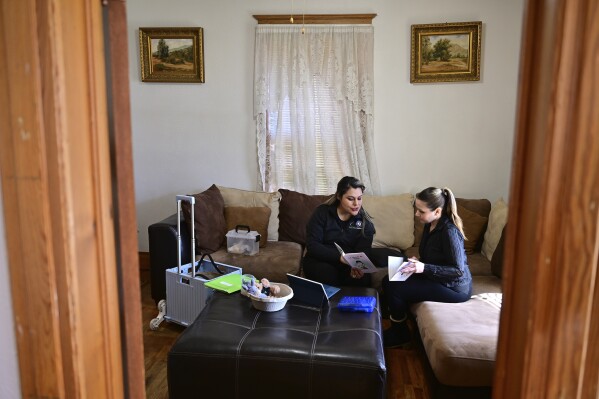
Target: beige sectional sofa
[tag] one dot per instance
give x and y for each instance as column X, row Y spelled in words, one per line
column 459, row 339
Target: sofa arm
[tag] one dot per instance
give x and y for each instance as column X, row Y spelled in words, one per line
column 163, row 252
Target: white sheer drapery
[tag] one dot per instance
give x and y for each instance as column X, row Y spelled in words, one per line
column 313, row 105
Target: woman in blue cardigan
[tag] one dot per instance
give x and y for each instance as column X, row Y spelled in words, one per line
column 441, row 274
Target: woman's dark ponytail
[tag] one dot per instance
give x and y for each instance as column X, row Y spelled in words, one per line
column 442, row 198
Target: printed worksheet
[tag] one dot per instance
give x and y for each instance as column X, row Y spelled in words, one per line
column 396, row 265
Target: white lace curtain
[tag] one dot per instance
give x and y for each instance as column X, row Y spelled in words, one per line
column 313, row 105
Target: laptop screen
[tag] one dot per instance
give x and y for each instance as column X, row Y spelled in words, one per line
column 309, row 291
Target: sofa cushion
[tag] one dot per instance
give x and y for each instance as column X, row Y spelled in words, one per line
column 392, row 218
column 237, row 197
column 497, row 259
column 460, row 339
column 479, row 265
column 486, row 285
column 256, row 218
column 272, row 262
column 497, row 219
column 481, row 206
column 209, row 214
column 474, row 228
column 295, row 212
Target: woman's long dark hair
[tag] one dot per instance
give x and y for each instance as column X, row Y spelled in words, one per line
column 443, row 198
column 343, row 186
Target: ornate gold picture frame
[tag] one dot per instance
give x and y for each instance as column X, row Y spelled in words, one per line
column 172, row 55
column 447, row 52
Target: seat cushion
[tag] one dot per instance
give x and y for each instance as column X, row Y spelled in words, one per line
column 486, row 285
column 479, row 265
column 272, row 262
column 460, row 339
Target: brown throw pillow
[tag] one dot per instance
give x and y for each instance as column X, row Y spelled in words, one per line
column 254, row 217
column 474, row 228
column 481, row 206
column 210, row 225
column 295, row 211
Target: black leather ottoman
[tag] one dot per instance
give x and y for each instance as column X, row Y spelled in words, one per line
column 235, row 351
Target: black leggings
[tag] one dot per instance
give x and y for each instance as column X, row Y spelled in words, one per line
column 418, row 288
column 338, row 274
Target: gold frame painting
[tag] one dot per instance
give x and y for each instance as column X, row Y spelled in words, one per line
column 172, row 55
column 446, row 52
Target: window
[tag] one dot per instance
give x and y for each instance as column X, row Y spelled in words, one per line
column 313, row 106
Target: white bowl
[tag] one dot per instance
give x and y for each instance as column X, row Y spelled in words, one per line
column 272, row 303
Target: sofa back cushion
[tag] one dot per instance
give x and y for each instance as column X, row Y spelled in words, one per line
column 474, row 228
column 497, row 219
column 295, row 211
column 497, row 259
column 256, row 218
column 392, row 218
column 209, row 223
column 245, row 198
column 472, row 224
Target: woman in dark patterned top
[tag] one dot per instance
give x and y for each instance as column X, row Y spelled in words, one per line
column 441, row 274
column 344, row 222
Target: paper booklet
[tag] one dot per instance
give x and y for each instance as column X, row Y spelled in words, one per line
column 396, row 265
column 359, row 260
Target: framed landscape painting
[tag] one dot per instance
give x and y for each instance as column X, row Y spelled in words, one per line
column 172, row 55
column 447, row 52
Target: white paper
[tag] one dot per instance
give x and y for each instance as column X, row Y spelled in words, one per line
column 359, row 260
column 396, row 264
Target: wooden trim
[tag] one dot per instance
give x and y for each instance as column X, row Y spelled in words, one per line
column 12, row 151
column 57, row 191
column 124, row 199
column 57, row 205
column 549, row 332
column 144, row 261
column 316, row 19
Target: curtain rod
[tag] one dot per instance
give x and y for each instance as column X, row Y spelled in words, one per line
column 317, row 18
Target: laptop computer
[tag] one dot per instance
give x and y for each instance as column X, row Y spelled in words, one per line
column 309, row 291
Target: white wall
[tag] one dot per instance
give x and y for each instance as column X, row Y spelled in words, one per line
column 9, row 366
column 188, row 136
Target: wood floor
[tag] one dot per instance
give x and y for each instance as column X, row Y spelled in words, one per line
column 405, row 367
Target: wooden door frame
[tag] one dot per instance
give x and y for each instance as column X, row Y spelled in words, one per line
column 69, row 208
column 548, row 339
column 54, row 140
column 120, row 134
